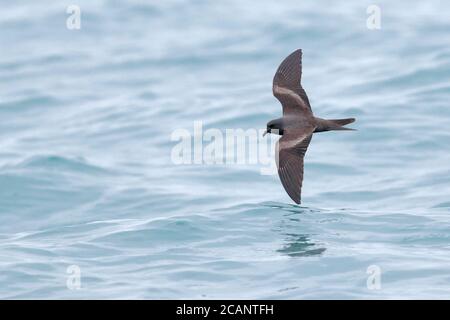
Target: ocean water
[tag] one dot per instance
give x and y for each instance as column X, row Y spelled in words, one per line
column 89, row 190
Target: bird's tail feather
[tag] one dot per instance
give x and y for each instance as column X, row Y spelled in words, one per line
column 338, row 124
column 341, row 128
column 342, row 122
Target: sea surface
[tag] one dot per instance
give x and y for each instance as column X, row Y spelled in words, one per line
column 93, row 205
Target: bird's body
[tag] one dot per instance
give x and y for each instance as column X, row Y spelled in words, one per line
column 297, row 124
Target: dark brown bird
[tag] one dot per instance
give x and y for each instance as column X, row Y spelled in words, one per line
column 297, row 124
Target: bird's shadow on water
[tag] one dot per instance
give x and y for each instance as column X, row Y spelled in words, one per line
column 296, row 243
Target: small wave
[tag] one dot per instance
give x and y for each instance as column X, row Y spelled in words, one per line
column 62, row 164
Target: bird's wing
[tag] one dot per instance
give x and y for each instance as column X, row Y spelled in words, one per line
column 291, row 149
column 287, row 87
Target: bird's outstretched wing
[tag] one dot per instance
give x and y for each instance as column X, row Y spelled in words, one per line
column 287, row 86
column 290, row 152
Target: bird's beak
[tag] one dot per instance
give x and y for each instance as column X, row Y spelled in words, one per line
column 265, row 132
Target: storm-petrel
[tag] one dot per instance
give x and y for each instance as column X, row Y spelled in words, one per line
column 297, row 124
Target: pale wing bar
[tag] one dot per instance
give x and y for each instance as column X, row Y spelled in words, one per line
column 287, row 85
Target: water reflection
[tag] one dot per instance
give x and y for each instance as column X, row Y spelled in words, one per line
column 300, row 245
column 294, row 229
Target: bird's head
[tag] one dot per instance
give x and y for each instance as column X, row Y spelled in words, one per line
column 275, row 127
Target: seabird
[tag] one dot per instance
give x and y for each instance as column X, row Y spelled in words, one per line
column 297, row 124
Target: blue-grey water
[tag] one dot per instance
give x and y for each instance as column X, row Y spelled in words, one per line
column 87, row 178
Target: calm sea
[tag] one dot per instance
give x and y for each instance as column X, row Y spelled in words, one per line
column 92, row 204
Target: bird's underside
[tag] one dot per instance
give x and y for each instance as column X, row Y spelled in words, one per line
column 299, row 124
